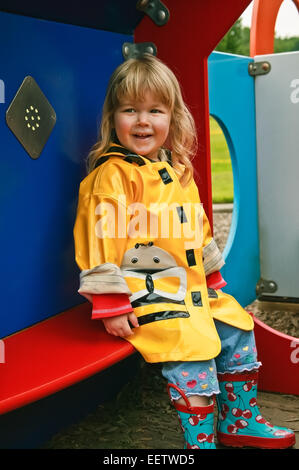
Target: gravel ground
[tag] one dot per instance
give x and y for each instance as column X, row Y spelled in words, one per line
column 141, row 417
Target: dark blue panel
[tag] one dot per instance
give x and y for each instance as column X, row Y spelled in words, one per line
column 72, row 66
column 110, row 15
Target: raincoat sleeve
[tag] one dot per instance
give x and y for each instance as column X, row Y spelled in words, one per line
column 212, row 256
column 100, row 231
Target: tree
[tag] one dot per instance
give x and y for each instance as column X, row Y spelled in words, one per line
column 286, row 44
column 237, row 41
column 231, row 42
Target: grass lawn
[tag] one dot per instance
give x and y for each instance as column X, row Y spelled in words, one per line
column 222, row 175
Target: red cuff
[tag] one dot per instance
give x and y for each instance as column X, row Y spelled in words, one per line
column 110, row 305
column 215, row 280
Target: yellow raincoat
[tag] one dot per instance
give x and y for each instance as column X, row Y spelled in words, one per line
column 139, row 232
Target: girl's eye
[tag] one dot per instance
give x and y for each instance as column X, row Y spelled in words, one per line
column 156, row 110
column 129, row 110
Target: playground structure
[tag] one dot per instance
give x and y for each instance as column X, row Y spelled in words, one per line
column 262, row 32
column 47, row 321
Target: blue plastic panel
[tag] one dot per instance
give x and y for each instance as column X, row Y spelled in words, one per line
column 71, row 65
column 232, row 104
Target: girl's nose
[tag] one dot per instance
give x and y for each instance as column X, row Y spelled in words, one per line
column 142, row 118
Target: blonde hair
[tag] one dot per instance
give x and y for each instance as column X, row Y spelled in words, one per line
column 133, row 78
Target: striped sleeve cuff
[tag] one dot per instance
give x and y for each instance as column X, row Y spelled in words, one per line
column 110, row 305
column 212, row 258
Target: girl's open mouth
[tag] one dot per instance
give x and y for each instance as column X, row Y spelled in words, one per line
column 142, row 136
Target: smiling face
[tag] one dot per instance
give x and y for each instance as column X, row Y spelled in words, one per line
column 142, row 126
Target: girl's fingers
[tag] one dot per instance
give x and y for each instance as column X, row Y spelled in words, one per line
column 120, row 326
column 123, row 332
column 133, row 319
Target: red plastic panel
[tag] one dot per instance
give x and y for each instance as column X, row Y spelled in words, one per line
column 279, row 354
column 55, row 354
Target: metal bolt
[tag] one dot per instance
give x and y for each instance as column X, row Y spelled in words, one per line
column 126, row 50
column 265, row 66
column 161, row 15
column 142, row 3
column 150, row 50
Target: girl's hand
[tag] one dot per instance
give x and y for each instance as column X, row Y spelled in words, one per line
column 119, row 325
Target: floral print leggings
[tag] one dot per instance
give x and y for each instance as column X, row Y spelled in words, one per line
column 238, row 354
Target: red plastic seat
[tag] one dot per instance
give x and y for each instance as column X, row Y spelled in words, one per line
column 55, row 354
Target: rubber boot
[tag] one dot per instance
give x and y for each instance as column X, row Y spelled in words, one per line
column 197, row 422
column 240, row 423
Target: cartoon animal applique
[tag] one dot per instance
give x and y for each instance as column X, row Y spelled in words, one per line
column 154, row 278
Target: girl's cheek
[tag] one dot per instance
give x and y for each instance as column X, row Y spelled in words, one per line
column 168, row 140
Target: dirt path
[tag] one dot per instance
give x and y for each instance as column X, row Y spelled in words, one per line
column 141, row 417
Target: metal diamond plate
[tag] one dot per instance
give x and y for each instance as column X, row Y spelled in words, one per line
column 31, row 117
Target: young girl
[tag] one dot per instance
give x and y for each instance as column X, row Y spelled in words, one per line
column 150, row 266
